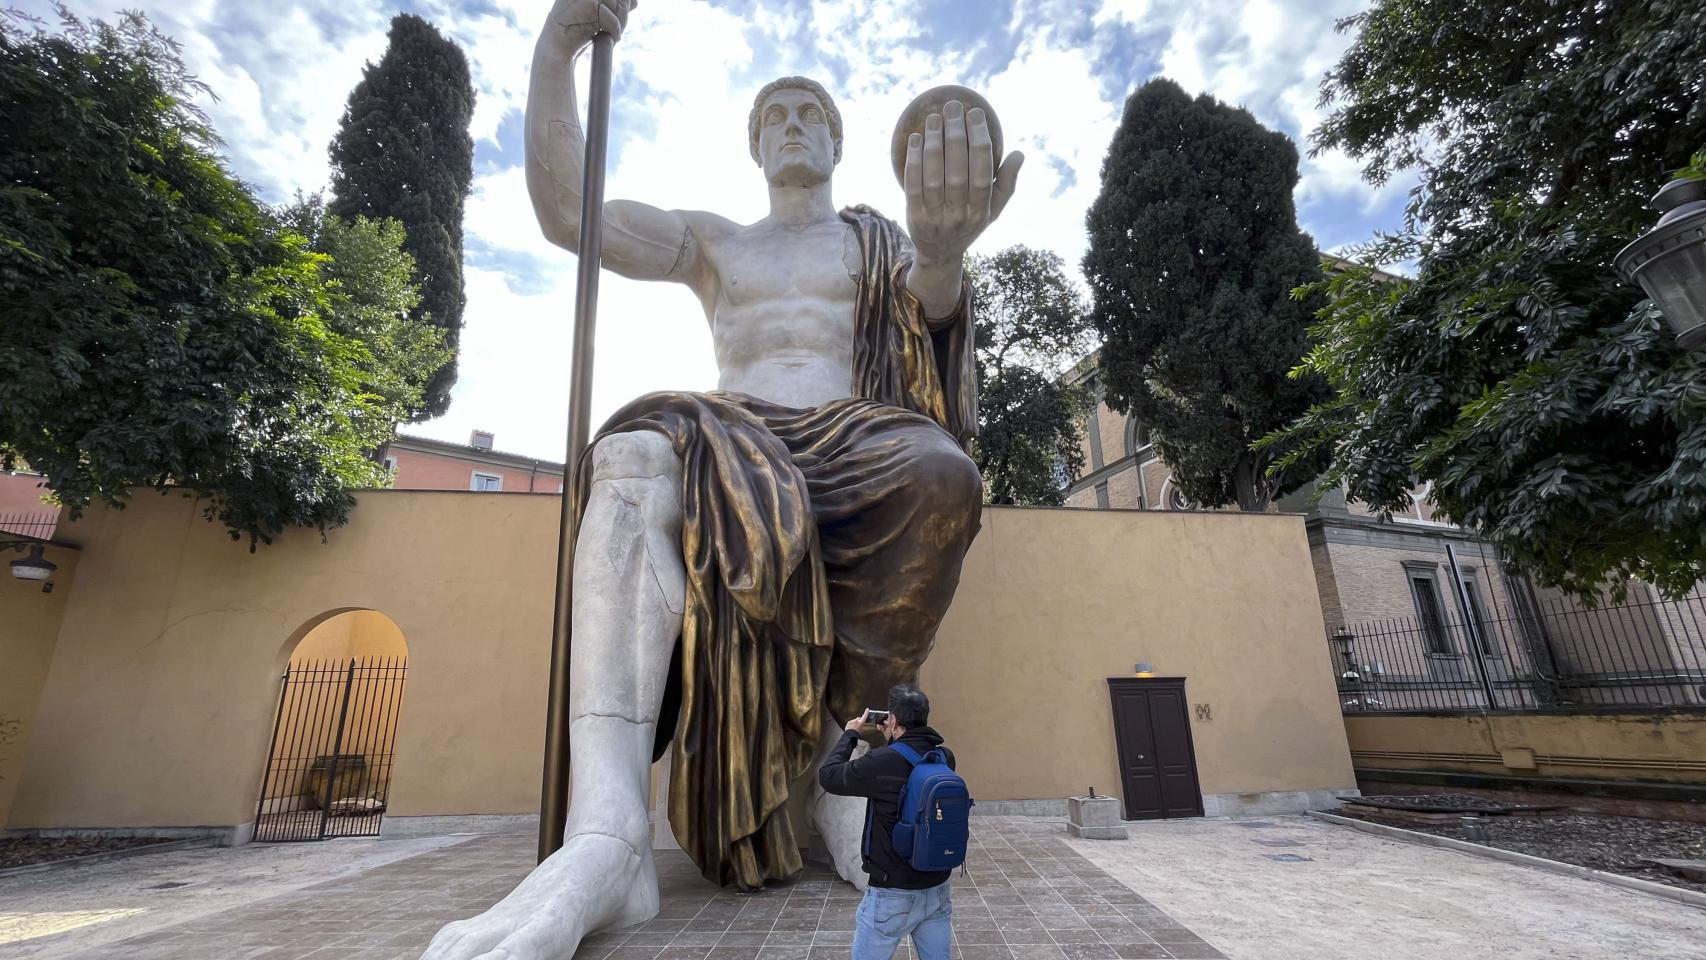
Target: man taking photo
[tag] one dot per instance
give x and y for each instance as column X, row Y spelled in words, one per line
column 901, row 900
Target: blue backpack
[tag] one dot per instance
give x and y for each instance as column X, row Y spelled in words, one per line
column 935, row 814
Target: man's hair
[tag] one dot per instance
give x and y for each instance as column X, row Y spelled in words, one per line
column 756, row 119
column 909, row 705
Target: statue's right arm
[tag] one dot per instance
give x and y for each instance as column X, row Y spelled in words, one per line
column 640, row 241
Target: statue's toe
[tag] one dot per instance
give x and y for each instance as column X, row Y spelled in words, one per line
column 542, row 938
column 466, row 939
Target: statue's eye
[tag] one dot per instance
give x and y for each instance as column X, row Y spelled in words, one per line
column 812, row 115
column 774, row 115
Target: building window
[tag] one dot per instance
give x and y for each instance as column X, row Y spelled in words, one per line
column 1430, row 611
column 1136, row 437
column 486, row 481
column 390, row 464
column 1173, row 498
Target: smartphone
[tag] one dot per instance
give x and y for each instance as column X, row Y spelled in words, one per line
column 877, row 717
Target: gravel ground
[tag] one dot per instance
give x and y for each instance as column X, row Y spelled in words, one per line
column 27, row 850
column 1442, row 802
column 1612, row 844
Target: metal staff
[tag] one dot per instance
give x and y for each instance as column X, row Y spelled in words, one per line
column 554, row 799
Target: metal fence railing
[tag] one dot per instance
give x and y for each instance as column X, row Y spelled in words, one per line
column 1546, row 656
column 30, row 523
column 329, row 771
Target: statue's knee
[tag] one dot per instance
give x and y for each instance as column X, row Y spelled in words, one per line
column 638, row 455
column 954, row 476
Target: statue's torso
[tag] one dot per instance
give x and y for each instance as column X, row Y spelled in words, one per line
column 782, row 320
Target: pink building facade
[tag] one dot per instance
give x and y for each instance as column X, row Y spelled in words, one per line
column 417, row 463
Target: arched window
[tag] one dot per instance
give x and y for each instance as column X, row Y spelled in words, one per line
column 1136, row 436
column 1173, row 498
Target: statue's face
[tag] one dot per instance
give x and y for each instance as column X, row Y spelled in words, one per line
column 794, row 141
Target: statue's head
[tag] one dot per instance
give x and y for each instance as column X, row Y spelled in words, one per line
column 795, row 132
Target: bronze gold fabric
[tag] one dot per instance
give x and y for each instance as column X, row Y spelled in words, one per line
column 822, row 549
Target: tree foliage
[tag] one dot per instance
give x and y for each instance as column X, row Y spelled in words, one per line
column 1194, row 251
column 158, row 326
column 371, row 296
column 1031, row 325
column 1535, row 388
column 403, row 151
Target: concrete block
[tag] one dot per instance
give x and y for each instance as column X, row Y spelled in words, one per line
column 1095, row 818
column 1096, row 833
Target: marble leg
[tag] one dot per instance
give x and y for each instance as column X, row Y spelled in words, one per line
column 629, row 592
column 840, row 821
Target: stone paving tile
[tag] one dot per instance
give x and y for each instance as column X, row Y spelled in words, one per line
column 1025, row 894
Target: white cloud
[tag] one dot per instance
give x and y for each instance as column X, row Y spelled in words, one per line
column 283, row 70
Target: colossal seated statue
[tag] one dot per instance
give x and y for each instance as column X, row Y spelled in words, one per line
column 756, row 561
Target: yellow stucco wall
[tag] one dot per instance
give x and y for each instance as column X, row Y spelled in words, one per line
column 360, row 634
column 1668, row 748
column 1053, row 602
column 29, row 630
column 160, row 704
column 160, row 701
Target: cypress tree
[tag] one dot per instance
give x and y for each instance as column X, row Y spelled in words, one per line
column 1194, row 251
column 403, row 151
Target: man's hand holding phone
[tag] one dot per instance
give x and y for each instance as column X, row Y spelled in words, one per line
column 875, row 718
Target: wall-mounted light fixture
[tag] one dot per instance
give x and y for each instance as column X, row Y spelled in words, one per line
column 34, row 567
column 1143, row 670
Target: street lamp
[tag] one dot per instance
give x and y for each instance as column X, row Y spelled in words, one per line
column 1669, row 261
column 1343, row 640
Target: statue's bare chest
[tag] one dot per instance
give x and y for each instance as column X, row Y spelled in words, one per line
column 766, row 265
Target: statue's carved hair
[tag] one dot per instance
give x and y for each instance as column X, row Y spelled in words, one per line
column 793, row 83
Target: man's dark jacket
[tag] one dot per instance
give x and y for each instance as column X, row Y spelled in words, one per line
column 879, row 776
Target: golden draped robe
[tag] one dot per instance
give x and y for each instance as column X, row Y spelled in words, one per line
column 822, row 548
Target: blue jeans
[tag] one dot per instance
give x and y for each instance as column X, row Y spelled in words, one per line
column 887, row 916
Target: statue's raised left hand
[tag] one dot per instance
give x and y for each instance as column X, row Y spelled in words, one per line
column 953, row 188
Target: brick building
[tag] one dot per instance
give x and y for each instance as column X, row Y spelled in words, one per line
column 21, row 508
column 417, row 463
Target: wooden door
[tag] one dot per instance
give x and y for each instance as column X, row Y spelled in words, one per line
column 1152, row 732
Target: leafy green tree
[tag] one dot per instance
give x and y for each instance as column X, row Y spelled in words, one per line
column 1516, row 371
column 403, row 151
column 1031, row 325
column 1194, row 252
column 158, row 326
column 371, row 297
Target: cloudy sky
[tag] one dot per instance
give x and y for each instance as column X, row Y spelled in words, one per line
column 1056, row 71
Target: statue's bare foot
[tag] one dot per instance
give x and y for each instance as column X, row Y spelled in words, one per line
column 595, row 882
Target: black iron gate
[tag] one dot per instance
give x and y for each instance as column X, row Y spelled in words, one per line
column 329, row 769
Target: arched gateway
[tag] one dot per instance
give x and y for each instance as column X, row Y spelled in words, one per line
column 328, row 770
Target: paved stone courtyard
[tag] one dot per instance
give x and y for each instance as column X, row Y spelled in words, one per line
column 1281, row 888
column 1026, row 894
